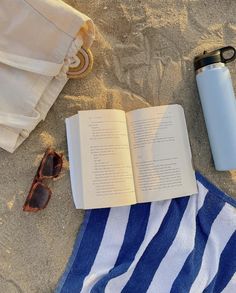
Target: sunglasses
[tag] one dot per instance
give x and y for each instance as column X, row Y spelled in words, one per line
column 40, row 194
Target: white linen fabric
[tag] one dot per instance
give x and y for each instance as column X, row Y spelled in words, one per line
column 39, row 40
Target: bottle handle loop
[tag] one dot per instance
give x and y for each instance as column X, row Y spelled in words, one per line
column 227, row 49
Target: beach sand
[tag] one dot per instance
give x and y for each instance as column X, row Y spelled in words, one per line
column 143, row 54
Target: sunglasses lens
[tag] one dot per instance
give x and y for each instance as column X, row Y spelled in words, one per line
column 52, row 166
column 40, row 197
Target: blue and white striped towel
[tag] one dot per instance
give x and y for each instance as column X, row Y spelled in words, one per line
column 182, row 245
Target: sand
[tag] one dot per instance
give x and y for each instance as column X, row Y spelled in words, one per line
column 143, row 54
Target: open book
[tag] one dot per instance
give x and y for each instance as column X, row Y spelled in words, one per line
column 119, row 158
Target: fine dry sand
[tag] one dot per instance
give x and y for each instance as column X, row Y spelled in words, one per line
column 143, row 52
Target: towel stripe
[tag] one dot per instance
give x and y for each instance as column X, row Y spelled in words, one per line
column 134, row 235
column 110, row 246
column 182, row 245
column 157, row 213
column 227, row 268
column 231, row 285
column 214, row 248
column 157, row 247
column 204, row 220
column 88, row 247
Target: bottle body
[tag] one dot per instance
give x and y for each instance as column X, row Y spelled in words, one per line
column 219, row 109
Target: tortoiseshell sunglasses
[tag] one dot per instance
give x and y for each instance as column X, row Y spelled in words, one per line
column 40, row 194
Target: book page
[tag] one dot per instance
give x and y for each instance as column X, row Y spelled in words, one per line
column 160, row 151
column 73, row 141
column 105, row 159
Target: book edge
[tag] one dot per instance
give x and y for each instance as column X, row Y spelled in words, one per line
column 73, row 142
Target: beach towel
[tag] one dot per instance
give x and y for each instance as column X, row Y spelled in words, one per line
column 39, row 41
column 181, row 245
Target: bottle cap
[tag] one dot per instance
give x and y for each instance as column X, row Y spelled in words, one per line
column 215, row 56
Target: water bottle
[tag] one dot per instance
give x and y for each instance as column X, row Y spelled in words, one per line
column 219, row 104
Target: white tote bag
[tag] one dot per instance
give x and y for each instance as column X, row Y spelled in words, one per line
column 39, row 40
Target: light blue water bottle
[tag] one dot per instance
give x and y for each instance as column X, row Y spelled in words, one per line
column 219, row 104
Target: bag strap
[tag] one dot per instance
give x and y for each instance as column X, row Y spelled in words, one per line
column 18, row 121
column 29, row 64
